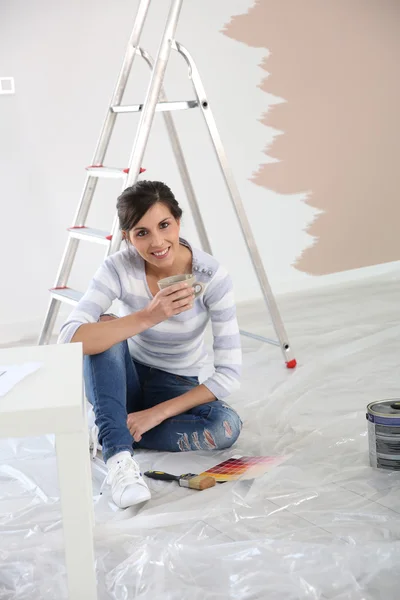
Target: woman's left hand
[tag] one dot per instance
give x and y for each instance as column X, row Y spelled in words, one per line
column 144, row 420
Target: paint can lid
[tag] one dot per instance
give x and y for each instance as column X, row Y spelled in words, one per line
column 385, row 407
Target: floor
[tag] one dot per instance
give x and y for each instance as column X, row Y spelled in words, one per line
column 321, row 525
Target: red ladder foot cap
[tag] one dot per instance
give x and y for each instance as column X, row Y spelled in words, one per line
column 291, row 364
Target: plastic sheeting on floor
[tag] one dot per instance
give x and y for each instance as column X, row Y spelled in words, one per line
column 322, row 525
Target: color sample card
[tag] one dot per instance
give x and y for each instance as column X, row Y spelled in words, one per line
column 243, row 467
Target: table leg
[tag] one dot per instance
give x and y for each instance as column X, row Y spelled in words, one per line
column 74, row 475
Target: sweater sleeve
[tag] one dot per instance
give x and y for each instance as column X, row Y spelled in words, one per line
column 103, row 289
column 220, row 302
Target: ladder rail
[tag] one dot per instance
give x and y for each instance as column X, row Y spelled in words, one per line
column 49, row 322
column 182, row 165
column 90, row 185
column 149, row 108
column 110, row 118
column 237, row 202
column 122, row 80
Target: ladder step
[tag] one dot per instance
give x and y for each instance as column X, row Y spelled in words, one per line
column 90, row 234
column 160, row 107
column 66, row 294
column 108, row 172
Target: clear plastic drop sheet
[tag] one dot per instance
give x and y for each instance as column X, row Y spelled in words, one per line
column 323, row 525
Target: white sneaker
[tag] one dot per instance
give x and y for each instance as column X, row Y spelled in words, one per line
column 127, row 484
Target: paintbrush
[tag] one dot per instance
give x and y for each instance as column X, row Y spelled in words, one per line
column 189, row 480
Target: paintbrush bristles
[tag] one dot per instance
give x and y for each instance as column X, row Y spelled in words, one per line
column 201, row 482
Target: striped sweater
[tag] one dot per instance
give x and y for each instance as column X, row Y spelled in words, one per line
column 177, row 344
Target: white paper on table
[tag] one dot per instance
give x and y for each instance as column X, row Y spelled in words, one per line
column 10, row 375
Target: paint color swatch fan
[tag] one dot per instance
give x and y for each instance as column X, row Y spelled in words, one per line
column 242, row 467
column 236, row 467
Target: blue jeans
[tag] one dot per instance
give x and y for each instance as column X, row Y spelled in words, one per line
column 116, row 385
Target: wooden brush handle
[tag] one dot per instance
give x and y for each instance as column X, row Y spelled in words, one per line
column 201, row 482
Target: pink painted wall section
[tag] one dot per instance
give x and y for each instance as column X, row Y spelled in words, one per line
column 336, row 64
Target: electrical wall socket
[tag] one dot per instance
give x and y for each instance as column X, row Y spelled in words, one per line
column 7, row 85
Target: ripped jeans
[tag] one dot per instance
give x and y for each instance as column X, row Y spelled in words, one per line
column 116, row 385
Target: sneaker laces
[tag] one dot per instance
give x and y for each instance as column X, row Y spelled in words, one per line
column 123, row 469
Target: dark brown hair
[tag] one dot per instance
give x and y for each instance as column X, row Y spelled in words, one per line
column 135, row 201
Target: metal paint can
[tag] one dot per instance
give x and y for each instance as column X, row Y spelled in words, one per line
column 384, row 434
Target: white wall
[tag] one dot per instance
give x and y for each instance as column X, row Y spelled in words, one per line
column 65, row 57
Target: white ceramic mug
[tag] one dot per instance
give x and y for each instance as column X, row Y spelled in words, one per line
column 190, row 280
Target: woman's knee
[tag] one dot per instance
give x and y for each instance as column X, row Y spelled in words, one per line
column 115, row 353
column 225, row 428
column 96, row 366
column 106, row 374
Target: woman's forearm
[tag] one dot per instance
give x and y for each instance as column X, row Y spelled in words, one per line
column 194, row 397
column 99, row 337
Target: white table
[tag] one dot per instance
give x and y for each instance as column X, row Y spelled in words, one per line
column 51, row 400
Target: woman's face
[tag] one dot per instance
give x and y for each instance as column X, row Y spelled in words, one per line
column 156, row 236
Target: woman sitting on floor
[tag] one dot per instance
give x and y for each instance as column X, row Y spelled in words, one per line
column 141, row 369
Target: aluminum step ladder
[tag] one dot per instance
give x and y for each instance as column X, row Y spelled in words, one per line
column 155, row 101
